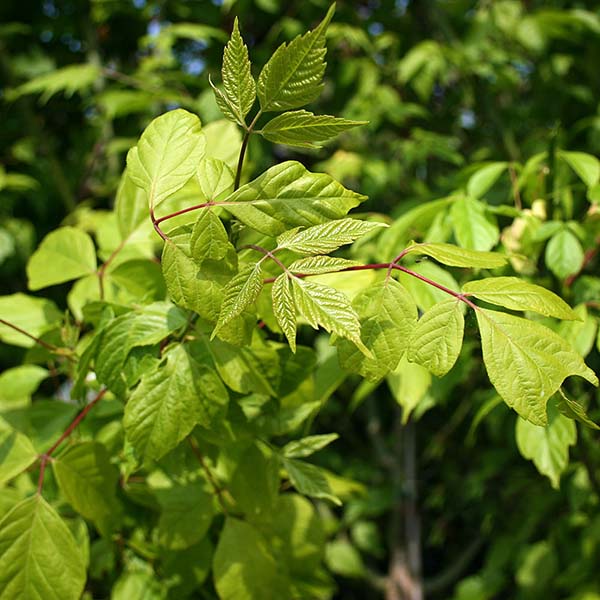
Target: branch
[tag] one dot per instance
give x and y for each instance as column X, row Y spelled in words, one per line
column 238, row 173
column 44, row 458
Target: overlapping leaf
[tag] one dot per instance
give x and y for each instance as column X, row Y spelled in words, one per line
column 453, row 256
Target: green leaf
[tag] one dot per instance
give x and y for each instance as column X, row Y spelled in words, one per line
column 16, row 452
column 186, row 514
column 284, row 308
column 64, row 254
column 215, row 179
column 483, row 179
column 325, row 238
column 586, row 166
column 316, row 265
column 292, row 77
column 309, row 480
column 33, row 315
column 573, row 410
column 209, row 239
column 527, row 362
column 388, row 315
column 131, row 207
column 323, row 306
column 305, row 129
column 240, row 88
column 409, row 384
column 548, row 446
column 138, row 585
column 308, row 445
column 88, row 481
column 38, row 554
column 581, row 334
column 344, row 559
column 144, row 327
column 287, row 195
column 167, row 155
column 170, row 401
column 453, row 256
column 18, row 384
column 239, row 293
column 472, row 228
column 564, row 254
column 436, row 341
column 516, row 294
column 426, row 295
column 243, row 566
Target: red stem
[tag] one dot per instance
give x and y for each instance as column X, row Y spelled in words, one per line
column 44, row 458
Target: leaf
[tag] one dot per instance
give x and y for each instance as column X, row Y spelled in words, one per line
column 292, row 77
column 581, row 334
column 453, row 256
column 308, row 445
column 16, row 452
column 167, row 155
column 243, row 566
column 209, row 238
column 305, row 129
column 186, row 514
column 239, row 293
column 315, row 265
column 131, row 208
column 34, row 315
column 38, row 554
column 547, row 447
column 18, row 384
column 472, row 228
column 325, row 238
column 215, row 179
column 586, row 166
column 284, row 308
column 388, row 315
column 64, row 254
column 483, row 179
column 309, row 480
column 88, row 481
column 287, row 195
column 409, row 384
column 323, row 306
column 573, row 410
column 516, row 294
column 564, row 254
column 436, row 341
column 240, row 88
column 170, row 401
column 342, row 558
column 527, row 362
column 426, row 295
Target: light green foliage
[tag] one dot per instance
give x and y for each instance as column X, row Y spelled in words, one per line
column 66, row 253
column 453, row 256
column 309, row 445
column 547, row 446
column 483, row 179
column 305, row 129
column 527, row 362
column 292, row 77
column 317, row 265
column 16, row 452
column 34, row 315
column 240, row 89
column 38, row 554
column 167, row 155
column 585, row 165
column 131, row 208
column 215, row 178
column 409, row 383
column 286, row 196
column 309, row 480
column 387, row 315
column 284, row 308
column 473, row 229
column 436, row 340
column 564, row 254
column 170, row 401
column 18, row 384
column 516, row 294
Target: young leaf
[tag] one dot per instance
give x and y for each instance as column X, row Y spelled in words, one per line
column 215, row 179
column 209, row 239
column 564, row 254
column 89, row 481
column 483, row 179
column 284, row 308
column 516, row 294
column 240, row 88
column 548, row 446
column 527, row 362
column 287, row 195
column 167, row 155
column 472, row 228
column 316, row 265
column 39, row 557
column 309, row 445
column 292, row 77
column 305, row 129
column 436, row 341
column 453, row 256
column 309, row 480
column 64, row 254
column 16, row 452
column 585, row 165
column 572, row 409
column 170, row 401
column 131, row 208
column 388, row 315
column 240, row 293
column 325, row 238
column 324, row 306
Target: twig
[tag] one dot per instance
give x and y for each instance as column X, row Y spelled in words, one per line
column 209, row 476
